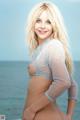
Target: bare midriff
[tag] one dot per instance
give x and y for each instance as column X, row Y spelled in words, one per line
column 37, row 86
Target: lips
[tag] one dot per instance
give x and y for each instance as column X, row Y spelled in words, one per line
column 42, row 32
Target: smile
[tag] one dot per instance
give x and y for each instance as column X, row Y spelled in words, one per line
column 42, row 32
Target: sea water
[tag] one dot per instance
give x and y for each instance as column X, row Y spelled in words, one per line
column 14, row 80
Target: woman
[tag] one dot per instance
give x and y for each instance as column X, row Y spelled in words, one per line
column 51, row 65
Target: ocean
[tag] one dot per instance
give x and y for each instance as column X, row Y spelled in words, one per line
column 14, row 80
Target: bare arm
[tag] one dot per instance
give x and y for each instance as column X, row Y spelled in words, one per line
column 71, row 106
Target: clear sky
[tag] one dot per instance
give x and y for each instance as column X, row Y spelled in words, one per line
column 13, row 15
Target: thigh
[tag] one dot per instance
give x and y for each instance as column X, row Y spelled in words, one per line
column 50, row 113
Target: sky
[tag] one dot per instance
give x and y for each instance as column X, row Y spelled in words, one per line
column 13, row 16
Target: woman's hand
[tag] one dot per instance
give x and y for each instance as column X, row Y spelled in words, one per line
column 28, row 114
column 68, row 117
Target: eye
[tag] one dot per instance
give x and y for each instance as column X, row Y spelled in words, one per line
column 38, row 20
column 48, row 21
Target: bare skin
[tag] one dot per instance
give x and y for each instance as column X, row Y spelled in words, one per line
column 37, row 86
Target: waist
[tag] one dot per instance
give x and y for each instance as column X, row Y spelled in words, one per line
column 32, row 99
column 51, row 106
column 38, row 85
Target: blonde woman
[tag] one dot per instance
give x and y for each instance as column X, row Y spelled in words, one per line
column 51, row 65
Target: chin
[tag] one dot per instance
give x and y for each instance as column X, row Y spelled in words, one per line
column 43, row 38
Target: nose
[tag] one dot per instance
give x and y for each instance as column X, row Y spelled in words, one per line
column 42, row 25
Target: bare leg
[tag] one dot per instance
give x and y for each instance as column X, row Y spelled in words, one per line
column 51, row 112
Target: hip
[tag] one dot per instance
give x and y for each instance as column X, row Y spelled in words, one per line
column 50, row 112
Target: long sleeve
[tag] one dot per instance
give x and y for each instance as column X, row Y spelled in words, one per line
column 61, row 80
column 72, row 97
column 73, row 90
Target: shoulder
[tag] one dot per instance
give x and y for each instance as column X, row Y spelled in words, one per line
column 55, row 48
column 55, row 43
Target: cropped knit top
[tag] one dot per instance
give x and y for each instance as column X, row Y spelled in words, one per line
column 48, row 61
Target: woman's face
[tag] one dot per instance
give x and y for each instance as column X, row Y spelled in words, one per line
column 43, row 27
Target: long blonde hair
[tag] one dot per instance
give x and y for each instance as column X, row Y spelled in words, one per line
column 59, row 30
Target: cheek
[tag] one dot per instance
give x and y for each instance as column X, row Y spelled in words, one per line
column 49, row 28
column 36, row 26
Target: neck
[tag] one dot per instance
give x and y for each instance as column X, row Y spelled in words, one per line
column 40, row 41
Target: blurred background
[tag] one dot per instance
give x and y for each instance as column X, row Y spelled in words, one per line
column 14, row 53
